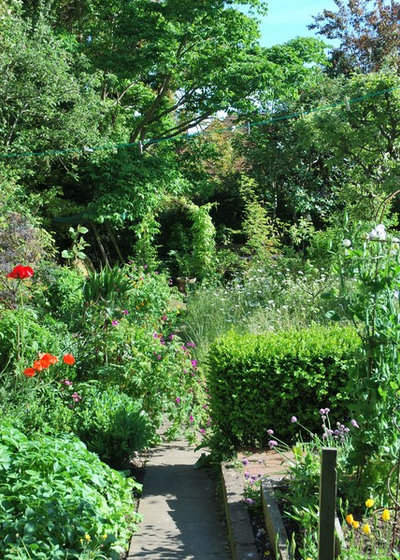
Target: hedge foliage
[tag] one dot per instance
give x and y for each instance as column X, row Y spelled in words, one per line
column 259, row 382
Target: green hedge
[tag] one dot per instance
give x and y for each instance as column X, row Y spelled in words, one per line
column 258, row 382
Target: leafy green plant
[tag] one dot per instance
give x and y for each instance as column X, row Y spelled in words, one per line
column 111, row 424
column 369, row 267
column 78, row 244
column 59, row 500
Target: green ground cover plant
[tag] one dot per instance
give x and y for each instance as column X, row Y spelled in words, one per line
column 58, row 500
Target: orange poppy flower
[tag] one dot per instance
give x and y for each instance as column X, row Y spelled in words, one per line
column 47, row 360
column 38, row 365
column 69, row 359
column 29, row 372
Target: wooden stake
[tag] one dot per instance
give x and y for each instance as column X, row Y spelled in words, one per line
column 327, row 504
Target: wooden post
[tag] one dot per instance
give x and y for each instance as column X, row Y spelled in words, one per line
column 327, row 505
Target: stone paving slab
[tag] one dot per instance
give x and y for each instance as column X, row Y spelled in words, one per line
column 182, row 520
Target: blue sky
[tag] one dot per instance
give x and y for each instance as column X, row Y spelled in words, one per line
column 289, row 18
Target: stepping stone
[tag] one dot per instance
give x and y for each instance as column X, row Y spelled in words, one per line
column 182, row 519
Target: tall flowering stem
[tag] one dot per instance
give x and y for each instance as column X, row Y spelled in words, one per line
column 370, row 274
column 20, row 273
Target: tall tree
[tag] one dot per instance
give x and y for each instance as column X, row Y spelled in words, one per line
column 368, row 33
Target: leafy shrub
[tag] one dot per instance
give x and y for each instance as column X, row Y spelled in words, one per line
column 150, row 366
column 62, row 293
column 57, row 499
column 258, row 382
column 111, row 424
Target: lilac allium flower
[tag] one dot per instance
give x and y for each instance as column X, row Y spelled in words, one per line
column 249, row 501
column 272, row 443
column 114, row 322
column 171, row 337
column 270, row 432
column 125, row 312
column 178, row 400
column 293, row 419
column 245, row 462
column 155, row 335
column 246, row 475
column 354, row 424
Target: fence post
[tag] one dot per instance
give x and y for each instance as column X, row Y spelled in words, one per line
column 327, row 504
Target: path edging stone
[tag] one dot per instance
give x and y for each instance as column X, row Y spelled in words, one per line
column 240, row 531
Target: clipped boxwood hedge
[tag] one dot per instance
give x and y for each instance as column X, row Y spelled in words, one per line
column 258, row 382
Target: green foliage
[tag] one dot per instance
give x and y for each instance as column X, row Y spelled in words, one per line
column 53, row 493
column 293, row 372
column 61, row 293
column 39, row 337
column 370, row 276
column 107, row 286
column 204, row 251
column 78, row 244
column 111, row 424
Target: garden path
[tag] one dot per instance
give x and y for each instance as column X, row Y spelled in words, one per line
column 182, row 519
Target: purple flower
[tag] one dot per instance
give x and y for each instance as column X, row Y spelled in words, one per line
column 270, row 432
column 158, row 357
column 191, row 418
column 246, row 475
column 202, row 431
column 171, row 336
column 178, row 400
column 114, row 322
column 324, row 411
column 194, row 363
column 155, row 335
column 249, row 501
column 245, row 462
column 354, row 424
column 272, row 443
column 293, row 419
column 66, row 382
column 125, row 312
column 76, row 397
column 164, row 318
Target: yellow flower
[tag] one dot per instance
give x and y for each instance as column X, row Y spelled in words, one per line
column 88, row 537
column 356, row 524
column 104, row 536
column 81, row 541
column 386, row 515
column 367, row 529
column 369, row 503
column 349, row 519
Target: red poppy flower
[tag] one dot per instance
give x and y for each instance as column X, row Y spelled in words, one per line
column 29, row 372
column 69, row 359
column 21, row 272
column 47, row 360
